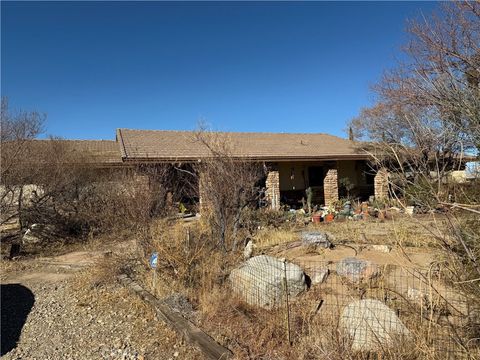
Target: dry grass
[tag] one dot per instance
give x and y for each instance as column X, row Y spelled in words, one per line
column 248, row 331
column 200, row 272
column 399, row 230
column 271, row 237
column 252, row 332
column 11, row 266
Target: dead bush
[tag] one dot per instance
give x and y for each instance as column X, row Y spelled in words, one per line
column 17, row 130
column 228, row 186
column 189, row 259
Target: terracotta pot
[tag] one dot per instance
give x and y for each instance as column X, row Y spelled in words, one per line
column 329, row 217
column 316, row 218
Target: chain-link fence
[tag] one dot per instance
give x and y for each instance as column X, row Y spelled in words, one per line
column 356, row 304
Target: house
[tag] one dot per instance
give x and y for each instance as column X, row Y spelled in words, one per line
column 331, row 166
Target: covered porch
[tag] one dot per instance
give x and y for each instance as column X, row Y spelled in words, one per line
column 328, row 181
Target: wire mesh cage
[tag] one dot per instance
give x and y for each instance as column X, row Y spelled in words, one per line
column 362, row 306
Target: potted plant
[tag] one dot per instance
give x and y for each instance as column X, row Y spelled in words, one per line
column 329, row 214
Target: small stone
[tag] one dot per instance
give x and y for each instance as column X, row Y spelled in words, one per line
column 356, row 270
column 319, row 276
column 382, row 248
column 316, row 238
column 175, row 354
column 248, row 251
column 415, row 295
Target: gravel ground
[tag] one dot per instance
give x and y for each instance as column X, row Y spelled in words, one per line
column 72, row 318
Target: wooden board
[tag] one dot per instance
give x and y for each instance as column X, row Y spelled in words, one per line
column 194, row 335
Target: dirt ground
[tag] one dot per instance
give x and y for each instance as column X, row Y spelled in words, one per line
column 56, row 308
column 411, row 241
column 406, row 257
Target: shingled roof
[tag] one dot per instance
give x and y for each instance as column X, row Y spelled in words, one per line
column 160, row 145
column 98, row 152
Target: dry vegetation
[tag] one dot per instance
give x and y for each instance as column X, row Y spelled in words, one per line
column 252, row 332
column 195, row 259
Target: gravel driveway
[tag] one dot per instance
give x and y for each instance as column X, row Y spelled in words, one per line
column 46, row 314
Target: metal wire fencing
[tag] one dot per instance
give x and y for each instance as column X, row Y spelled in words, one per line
column 357, row 305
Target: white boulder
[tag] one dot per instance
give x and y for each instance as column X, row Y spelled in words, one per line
column 260, row 280
column 371, row 325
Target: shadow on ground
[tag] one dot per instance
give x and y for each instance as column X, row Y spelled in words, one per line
column 16, row 303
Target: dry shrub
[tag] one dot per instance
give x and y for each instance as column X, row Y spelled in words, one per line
column 228, row 184
column 60, row 184
column 189, row 259
column 251, row 332
column 255, row 219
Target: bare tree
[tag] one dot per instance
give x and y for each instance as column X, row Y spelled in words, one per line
column 438, row 84
column 228, row 185
column 425, row 121
column 427, row 116
column 17, row 129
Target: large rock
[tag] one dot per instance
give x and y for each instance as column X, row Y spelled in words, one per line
column 356, row 270
column 260, row 280
column 316, row 238
column 371, row 325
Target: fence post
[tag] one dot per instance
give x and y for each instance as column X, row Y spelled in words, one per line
column 187, row 242
column 285, row 287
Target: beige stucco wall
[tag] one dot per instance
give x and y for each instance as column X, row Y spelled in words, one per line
column 300, row 171
column 349, row 168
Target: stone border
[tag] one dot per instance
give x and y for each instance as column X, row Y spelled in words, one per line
column 194, row 335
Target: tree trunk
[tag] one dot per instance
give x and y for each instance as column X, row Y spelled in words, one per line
column 19, row 208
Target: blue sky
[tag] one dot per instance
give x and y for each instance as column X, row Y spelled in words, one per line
column 246, row 66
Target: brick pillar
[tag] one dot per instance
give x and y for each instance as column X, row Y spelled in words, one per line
column 273, row 189
column 330, row 187
column 381, row 184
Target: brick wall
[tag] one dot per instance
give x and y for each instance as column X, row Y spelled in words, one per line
column 381, row 184
column 330, row 187
column 273, row 189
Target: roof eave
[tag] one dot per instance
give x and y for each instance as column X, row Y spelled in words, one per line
column 251, row 158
